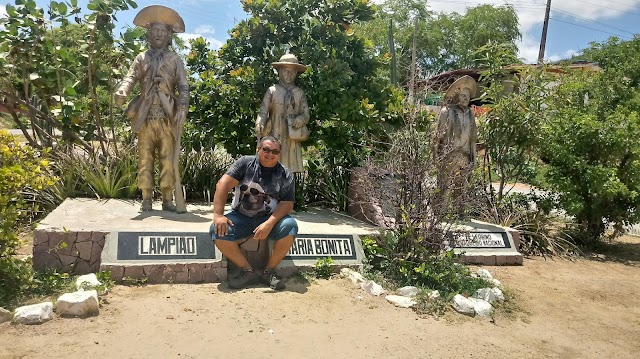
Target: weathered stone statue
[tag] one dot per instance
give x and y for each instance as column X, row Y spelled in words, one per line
column 158, row 113
column 284, row 113
column 457, row 133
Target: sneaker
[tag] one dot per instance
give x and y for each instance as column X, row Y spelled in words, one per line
column 272, row 280
column 246, row 278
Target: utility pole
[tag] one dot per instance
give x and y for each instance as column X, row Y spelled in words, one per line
column 543, row 40
column 392, row 51
column 412, row 78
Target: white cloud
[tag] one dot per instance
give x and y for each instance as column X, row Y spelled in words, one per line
column 205, row 30
column 531, row 13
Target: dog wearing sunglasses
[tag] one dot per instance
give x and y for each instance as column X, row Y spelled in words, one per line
column 253, row 200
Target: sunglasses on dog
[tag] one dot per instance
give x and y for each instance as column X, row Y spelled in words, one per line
column 270, row 150
column 253, row 191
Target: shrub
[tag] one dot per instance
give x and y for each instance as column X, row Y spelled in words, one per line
column 21, row 169
column 202, row 169
column 543, row 232
column 322, row 268
column 83, row 174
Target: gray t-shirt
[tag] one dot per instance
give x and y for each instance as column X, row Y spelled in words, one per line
column 260, row 188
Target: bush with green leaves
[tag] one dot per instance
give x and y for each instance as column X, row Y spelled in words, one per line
column 437, row 270
column 322, row 268
column 591, row 142
column 21, row 169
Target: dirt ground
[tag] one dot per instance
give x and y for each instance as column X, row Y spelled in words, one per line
column 588, row 308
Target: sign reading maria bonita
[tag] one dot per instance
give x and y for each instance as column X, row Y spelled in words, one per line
column 309, row 246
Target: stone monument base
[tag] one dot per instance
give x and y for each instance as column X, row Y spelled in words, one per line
column 485, row 243
column 86, row 235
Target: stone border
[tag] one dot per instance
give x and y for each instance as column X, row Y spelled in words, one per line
column 76, row 252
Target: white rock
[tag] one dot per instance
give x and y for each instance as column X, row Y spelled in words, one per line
column 485, row 294
column 483, row 273
column 434, row 295
column 497, row 293
column 34, row 314
column 87, row 281
column 355, row 277
column 90, row 282
column 372, row 288
column 481, row 307
column 489, row 294
column 408, row 291
column 400, row 301
column 463, row 305
column 5, row 315
column 81, row 304
column 496, row 283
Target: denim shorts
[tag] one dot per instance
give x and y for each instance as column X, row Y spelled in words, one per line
column 243, row 227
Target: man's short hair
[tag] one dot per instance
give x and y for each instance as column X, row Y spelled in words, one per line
column 270, row 139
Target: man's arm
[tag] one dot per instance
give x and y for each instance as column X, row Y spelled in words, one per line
column 220, row 222
column 263, row 230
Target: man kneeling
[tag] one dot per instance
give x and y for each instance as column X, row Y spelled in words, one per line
column 264, row 196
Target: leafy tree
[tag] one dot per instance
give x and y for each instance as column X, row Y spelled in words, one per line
column 346, row 98
column 59, row 70
column 444, row 41
column 592, row 147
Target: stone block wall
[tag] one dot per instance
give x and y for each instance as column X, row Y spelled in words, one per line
column 169, row 273
column 66, row 251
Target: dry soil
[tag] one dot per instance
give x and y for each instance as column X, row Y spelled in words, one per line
column 587, row 308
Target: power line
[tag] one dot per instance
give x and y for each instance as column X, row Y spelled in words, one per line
column 590, row 20
column 610, row 8
column 591, row 28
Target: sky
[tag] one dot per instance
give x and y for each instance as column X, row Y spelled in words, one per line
column 573, row 26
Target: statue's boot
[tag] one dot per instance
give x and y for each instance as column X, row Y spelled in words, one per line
column 167, row 200
column 147, row 200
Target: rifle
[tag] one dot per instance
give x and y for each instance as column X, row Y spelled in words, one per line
column 181, row 206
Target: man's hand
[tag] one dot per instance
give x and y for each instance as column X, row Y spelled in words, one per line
column 221, row 225
column 262, row 231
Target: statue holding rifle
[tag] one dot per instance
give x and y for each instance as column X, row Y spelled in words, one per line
column 158, row 113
